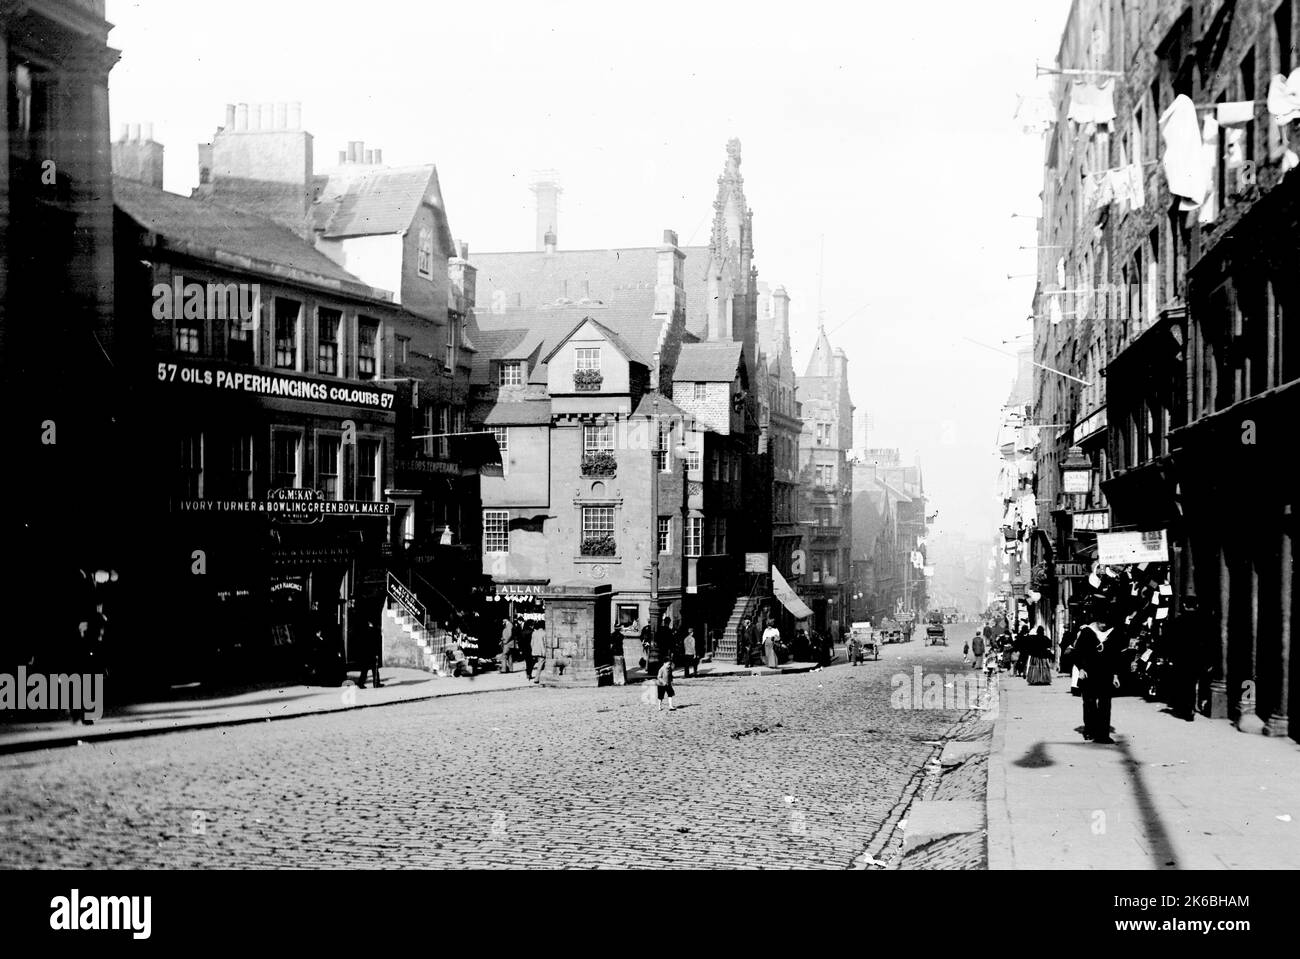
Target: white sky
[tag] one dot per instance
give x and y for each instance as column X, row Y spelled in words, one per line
column 885, row 128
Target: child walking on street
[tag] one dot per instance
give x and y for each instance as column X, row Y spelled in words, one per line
column 664, row 682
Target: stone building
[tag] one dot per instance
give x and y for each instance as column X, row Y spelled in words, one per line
column 1187, row 312
column 689, row 318
column 825, row 469
column 58, row 370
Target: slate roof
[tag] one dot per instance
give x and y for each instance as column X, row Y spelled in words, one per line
column 713, row 362
column 610, row 335
column 209, row 226
column 533, row 279
column 380, row 202
column 493, row 345
column 519, row 413
column 630, row 318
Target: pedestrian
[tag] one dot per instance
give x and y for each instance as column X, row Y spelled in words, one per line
column 690, row 657
column 1184, row 644
column 526, row 644
column 744, row 642
column 855, row 650
column 538, row 645
column 771, row 636
column 87, row 653
column 1038, row 670
column 978, row 649
column 664, row 684
column 965, row 651
column 1096, row 653
column 509, row 648
column 370, row 647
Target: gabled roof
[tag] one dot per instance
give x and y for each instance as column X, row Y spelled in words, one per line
column 820, row 363
column 617, row 341
column 206, row 225
column 380, row 202
column 711, row 362
column 493, row 345
column 666, row 407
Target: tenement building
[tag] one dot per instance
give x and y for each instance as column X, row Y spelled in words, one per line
column 57, row 326
column 1170, row 200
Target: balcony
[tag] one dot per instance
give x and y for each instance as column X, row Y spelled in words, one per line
column 600, row 463
column 587, row 381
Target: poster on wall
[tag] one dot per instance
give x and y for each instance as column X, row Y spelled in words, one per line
column 1123, row 549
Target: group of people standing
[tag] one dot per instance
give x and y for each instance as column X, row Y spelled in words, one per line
column 1027, row 655
column 521, row 641
column 764, row 647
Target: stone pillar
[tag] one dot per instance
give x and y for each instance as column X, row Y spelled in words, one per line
column 1248, row 720
column 1218, row 704
column 1279, row 722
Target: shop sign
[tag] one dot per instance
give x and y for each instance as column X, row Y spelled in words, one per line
column 519, row 592
column 1091, row 520
column 221, row 379
column 1072, row 570
column 1123, row 549
column 756, row 562
column 429, row 466
column 287, row 509
column 311, row 556
column 1077, row 481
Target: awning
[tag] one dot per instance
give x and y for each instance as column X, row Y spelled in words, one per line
column 781, row 589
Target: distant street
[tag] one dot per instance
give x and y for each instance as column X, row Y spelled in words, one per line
column 804, row 771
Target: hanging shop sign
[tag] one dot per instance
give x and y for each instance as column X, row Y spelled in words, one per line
column 1123, row 549
column 519, row 592
column 220, row 379
column 756, row 562
column 1072, row 570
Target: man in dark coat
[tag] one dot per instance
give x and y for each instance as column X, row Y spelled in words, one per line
column 1184, row 647
column 1097, row 654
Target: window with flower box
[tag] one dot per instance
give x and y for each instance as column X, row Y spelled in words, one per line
column 598, row 531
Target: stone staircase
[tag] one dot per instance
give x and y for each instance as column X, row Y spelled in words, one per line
column 408, row 642
column 745, row 606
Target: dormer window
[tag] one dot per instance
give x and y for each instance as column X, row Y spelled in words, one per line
column 587, row 358
column 511, row 373
column 424, row 253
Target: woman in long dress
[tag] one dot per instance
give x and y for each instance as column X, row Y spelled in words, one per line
column 1039, row 671
column 770, row 636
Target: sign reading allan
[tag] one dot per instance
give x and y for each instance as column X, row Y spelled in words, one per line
column 219, row 378
column 1122, row 549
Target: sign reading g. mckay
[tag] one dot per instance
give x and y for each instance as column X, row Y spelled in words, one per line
column 219, row 378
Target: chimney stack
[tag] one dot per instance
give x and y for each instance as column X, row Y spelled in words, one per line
column 781, row 318
column 138, row 158
column 670, row 293
column 546, row 187
column 269, row 175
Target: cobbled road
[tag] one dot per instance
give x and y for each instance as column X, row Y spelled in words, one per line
column 802, row 771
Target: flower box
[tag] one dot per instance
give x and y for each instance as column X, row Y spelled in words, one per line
column 600, row 463
column 587, row 379
column 598, row 546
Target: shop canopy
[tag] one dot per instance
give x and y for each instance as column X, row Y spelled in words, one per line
column 782, row 590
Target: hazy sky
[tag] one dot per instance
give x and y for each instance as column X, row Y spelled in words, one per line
column 887, row 129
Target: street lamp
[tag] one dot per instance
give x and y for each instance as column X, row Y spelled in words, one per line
column 1076, row 472
column 684, row 454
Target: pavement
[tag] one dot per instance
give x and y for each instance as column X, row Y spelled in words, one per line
column 1169, row 794
column 188, row 710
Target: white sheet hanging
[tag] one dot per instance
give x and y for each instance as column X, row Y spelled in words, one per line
column 1183, row 161
column 1092, row 103
column 1284, row 97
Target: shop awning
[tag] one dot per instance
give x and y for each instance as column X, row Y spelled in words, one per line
column 782, row 590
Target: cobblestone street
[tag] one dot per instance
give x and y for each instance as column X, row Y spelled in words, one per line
column 813, row 770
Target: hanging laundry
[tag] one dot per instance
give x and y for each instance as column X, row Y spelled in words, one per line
column 1284, row 97
column 1137, row 185
column 1234, row 146
column 1060, row 272
column 1290, row 161
column 1091, row 194
column 1235, row 114
column 1054, row 310
column 1184, row 150
column 1210, row 163
column 1036, row 115
column 1118, row 184
column 1092, row 103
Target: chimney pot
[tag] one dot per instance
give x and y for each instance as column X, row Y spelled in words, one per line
column 370, row 157
column 282, row 116
column 135, row 131
column 123, row 131
column 148, row 132
column 464, row 251
column 343, row 157
column 295, row 115
column 241, row 117
column 230, row 116
column 379, row 157
column 670, row 237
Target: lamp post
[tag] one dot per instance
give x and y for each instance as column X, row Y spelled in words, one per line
column 684, row 453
